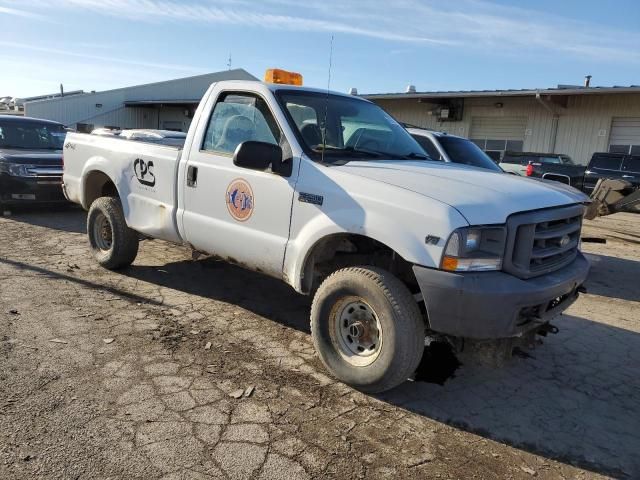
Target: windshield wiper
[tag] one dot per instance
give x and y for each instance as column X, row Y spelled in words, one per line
column 349, row 150
column 364, row 151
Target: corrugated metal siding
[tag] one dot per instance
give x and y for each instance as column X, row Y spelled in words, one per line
column 625, row 131
column 84, row 109
column 584, row 127
column 174, row 115
column 498, row 128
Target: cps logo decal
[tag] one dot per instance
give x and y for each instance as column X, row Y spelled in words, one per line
column 144, row 172
column 240, row 201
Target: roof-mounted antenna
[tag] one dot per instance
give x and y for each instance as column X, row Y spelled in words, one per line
column 229, row 62
column 326, row 105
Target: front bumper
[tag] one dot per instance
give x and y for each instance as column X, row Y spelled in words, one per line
column 27, row 190
column 486, row 305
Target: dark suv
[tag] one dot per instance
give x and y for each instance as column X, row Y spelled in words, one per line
column 612, row 165
column 30, row 160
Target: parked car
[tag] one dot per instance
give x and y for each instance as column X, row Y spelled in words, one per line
column 163, row 137
column 615, row 166
column 30, row 160
column 451, row 148
column 391, row 243
column 550, row 166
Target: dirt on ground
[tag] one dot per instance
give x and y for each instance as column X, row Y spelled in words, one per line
column 177, row 368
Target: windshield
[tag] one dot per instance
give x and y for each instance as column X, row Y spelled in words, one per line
column 31, row 135
column 347, row 128
column 466, row 152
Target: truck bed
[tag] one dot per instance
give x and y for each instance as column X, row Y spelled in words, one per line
column 143, row 173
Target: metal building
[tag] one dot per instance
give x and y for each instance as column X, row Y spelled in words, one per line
column 576, row 121
column 165, row 105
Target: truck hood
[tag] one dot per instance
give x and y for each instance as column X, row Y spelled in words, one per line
column 31, row 157
column 481, row 196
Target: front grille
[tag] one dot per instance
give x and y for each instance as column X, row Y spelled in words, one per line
column 542, row 241
column 46, row 174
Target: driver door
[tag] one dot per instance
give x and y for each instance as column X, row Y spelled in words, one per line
column 238, row 214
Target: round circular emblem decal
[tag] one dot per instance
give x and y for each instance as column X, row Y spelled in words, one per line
column 240, row 200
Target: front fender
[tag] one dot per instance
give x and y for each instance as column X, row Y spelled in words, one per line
column 404, row 232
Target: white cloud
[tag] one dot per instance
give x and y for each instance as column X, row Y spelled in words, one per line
column 61, row 52
column 19, row 13
column 475, row 25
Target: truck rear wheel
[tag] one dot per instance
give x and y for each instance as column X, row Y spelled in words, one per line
column 113, row 244
column 367, row 328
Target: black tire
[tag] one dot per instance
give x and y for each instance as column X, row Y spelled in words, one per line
column 121, row 250
column 394, row 310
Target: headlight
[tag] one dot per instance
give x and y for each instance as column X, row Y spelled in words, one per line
column 20, row 170
column 475, row 249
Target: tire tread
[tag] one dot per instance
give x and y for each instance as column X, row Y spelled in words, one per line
column 406, row 313
column 123, row 252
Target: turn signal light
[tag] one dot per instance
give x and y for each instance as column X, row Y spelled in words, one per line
column 450, row 264
column 282, row 77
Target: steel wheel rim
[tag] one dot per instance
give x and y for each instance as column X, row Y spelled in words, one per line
column 102, row 232
column 357, row 331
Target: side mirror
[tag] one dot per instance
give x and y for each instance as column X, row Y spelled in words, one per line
column 257, row 155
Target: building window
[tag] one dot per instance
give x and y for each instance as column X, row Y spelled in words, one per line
column 496, row 148
column 626, row 149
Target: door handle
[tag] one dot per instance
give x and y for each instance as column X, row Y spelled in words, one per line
column 628, row 176
column 192, row 176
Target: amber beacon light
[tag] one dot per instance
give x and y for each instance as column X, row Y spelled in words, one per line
column 275, row 75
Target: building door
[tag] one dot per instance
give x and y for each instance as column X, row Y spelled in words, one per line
column 625, row 135
column 496, row 135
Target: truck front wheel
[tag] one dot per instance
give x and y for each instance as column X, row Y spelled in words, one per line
column 367, row 328
column 113, row 244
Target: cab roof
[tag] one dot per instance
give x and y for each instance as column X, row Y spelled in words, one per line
column 20, row 119
column 275, row 87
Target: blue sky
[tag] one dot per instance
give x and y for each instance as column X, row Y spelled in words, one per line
column 379, row 45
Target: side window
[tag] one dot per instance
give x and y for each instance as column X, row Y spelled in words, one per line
column 606, row 163
column 428, row 146
column 631, row 164
column 238, row 118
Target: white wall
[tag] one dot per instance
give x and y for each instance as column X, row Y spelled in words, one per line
column 583, row 127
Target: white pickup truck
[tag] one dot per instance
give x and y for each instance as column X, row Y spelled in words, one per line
column 330, row 194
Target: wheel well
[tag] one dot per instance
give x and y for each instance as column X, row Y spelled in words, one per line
column 98, row 184
column 345, row 250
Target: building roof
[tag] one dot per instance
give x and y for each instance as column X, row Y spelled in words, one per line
column 147, row 103
column 560, row 90
column 49, row 96
column 236, row 74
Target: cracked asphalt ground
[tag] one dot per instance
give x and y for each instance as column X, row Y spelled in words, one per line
column 178, row 368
